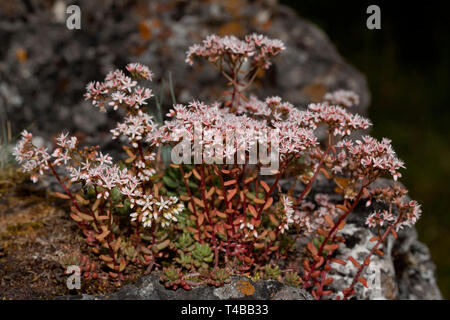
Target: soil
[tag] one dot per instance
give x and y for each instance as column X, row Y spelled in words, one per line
column 36, row 233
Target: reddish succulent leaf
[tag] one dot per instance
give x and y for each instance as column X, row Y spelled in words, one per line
column 328, row 220
column 117, row 244
column 312, row 248
column 75, row 217
column 122, row 265
column 103, row 235
column 201, row 218
column 105, row 258
column 196, row 174
column 61, row 195
column 252, row 210
column 264, row 185
column 394, row 233
column 268, row 203
column 259, row 245
column 231, row 194
column 249, row 179
column 320, row 260
column 85, row 216
column 306, row 265
column 230, row 182
column 220, row 214
column 272, row 236
column 327, row 292
column 331, row 247
column 210, row 193
column 321, row 232
column 363, row 281
column 258, row 201
column 342, row 262
column 220, row 228
column 325, row 173
column 354, row 262
column 273, row 220
column 193, row 230
column 199, row 202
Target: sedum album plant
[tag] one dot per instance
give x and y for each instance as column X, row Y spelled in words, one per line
column 219, row 209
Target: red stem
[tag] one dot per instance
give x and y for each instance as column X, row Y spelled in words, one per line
column 331, row 233
column 309, row 185
column 192, row 203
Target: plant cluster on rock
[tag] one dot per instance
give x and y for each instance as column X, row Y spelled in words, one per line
column 220, row 211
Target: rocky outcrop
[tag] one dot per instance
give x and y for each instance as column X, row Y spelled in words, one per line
column 406, row 270
column 44, row 67
column 240, row 288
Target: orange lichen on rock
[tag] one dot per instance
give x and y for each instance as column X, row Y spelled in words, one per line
column 245, row 287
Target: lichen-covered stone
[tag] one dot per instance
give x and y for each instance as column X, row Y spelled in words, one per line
column 150, row 288
column 44, row 67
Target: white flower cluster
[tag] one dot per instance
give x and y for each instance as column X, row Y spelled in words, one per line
column 288, row 209
column 344, row 98
column 135, row 128
column 371, row 155
column 241, row 132
column 34, row 160
column 311, row 216
column 249, row 228
column 103, row 174
column 257, row 47
column 151, row 209
column 119, row 90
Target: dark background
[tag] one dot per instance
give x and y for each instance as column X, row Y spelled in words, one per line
column 407, row 68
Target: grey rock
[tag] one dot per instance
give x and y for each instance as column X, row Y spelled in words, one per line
column 406, row 271
column 46, row 88
column 149, row 288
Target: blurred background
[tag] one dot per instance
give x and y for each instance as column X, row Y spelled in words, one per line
column 407, row 67
column 44, row 68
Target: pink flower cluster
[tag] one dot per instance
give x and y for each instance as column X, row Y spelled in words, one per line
column 150, row 208
column 370, row 157
column 288, row 210
column 240, row 131
column 402, row 212
column 340, row 122
column 311, row 216
column 33, row 160
column 103, row 177
column 135, row 128
column 344, row 98
column 139, row 71
column 119, row 90
column 256, row 47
